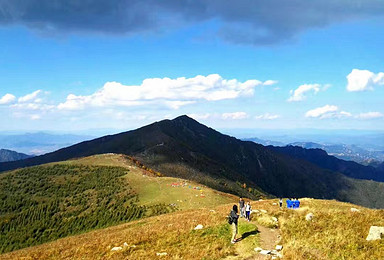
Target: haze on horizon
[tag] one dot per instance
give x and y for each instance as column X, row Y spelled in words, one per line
column 75, row 65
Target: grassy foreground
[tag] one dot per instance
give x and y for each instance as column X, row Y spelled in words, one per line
column 334, row 233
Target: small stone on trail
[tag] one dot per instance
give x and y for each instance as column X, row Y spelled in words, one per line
column 265, row 252
column 116, row 248
column 263, row 211
column 258, row 249
column 274, row 203
column 355, row 210
column 255, row 211
column 198, row 227
column 125, row 244
column 162, row 254
column 309, row 217
column 279, row 247
column 375, row 233
column 274, row 219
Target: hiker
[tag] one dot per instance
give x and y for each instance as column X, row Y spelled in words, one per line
column 233, row 219
column 248, row 211
column 241, row 206
column 289, row 203
column 281, row 202
column 296, row 203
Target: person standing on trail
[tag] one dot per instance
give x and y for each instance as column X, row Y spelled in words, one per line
column 281, row 202
column 248, row 211
column 289, row 203
column 234, row 219
column 241, row 206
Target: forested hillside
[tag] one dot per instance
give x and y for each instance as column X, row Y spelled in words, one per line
column 44, row 203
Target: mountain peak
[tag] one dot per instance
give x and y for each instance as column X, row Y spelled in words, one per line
column 184, row 118
column 186, row 121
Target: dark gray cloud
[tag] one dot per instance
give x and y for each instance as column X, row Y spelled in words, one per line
column 256, row 22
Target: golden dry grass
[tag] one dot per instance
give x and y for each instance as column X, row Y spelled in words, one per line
column 334, row 233
column 173, row 233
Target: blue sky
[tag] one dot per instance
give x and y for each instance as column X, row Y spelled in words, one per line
column 67, row 66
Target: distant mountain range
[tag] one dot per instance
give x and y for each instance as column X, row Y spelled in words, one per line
column 39, row 143
column 323, row 160
column 341, row 151
column 8, row 155
column 183, row 147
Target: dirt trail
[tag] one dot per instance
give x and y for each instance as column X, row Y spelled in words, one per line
column 269, row 238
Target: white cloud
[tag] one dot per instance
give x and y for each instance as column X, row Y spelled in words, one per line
column 322, row 112
column 330, row 111
column 170, row 92
column 234, row 115
column 344, row 114
column 35, row 117
column 33, row 106
column 7, row 99
column 270, row 82
column 369, row 115
column 32, row 97
column 267, row 116
column 300, row 93
column 361, row 80
column 177, row 104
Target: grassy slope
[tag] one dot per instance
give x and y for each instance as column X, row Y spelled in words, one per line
column 154, row 190
column 334, row 233
column 146, row 189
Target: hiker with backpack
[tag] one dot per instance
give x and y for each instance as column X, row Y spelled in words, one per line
column 232, row 220
column 248, row 211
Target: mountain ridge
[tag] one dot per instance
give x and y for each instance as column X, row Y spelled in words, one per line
column 184, row 148
column 7, row 155
column 321, row 158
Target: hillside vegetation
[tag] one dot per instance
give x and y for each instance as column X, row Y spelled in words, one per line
column 334, row 233
column 44, row 203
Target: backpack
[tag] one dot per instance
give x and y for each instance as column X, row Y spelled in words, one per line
column 230, row 220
